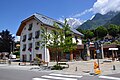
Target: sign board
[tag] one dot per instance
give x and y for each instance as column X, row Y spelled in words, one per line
column 113, row 48
column 98, row 51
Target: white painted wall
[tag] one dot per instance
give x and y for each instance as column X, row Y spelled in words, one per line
column 44, row 52
column 35, row 28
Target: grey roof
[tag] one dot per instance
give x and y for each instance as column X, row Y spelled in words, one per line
column 75, row 31
column 49, row 21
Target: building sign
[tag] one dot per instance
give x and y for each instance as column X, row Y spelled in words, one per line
column 113, row 48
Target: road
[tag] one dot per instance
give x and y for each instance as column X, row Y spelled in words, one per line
column 13, row 74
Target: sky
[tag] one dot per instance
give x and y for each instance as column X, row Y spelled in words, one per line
column 12, row 12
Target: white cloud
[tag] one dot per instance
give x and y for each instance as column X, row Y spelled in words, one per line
column 101, row 6
column 104, row 6
column 84, row 12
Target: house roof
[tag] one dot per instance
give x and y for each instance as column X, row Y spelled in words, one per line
column 44, row 20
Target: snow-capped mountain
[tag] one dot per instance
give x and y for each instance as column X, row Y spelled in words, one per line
column 74, row 23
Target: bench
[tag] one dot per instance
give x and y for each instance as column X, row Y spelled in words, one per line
column 65, row 65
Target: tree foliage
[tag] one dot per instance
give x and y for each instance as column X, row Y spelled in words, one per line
column 88, row 34
column 6, row 41
column 113, row 30
column 101, row 32
column 58, row 39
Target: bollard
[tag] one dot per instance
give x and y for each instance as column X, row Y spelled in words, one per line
column 9, row 61
column 114, row 67
column 76, row 69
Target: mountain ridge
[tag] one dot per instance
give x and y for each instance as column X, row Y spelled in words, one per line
column 101, row 20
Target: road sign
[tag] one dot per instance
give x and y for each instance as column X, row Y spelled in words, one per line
column 98, row 51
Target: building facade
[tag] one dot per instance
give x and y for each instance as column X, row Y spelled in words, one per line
column 29, row 32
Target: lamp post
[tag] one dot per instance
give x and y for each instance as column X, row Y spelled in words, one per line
column 97, row 52
column 10, row 50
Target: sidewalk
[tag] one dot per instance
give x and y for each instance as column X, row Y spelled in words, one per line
column 87, row 67
column 75, row 67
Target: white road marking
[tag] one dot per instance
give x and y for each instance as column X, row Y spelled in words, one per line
column 39, row 79
column 59, row 78
column 64, row 75
column 108, row 77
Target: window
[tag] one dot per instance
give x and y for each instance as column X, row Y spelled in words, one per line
column 76, row 38
column 37, row 33
column 37, row 45
column 24, row 38
column 30, row 47
column 24, row 47
column 30, row 26
column 30, row 36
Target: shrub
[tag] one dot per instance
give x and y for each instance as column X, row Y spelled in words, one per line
column 57, row 67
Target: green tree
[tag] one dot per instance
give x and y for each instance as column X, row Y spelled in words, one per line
column 113, row 30
column 58, row 39
column 101, row 32
column 68, row 42
column 6, row 41
column 88, row 34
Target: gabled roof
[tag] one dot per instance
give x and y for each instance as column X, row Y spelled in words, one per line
column 44, row 20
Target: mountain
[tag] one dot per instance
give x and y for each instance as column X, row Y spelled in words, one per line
column 115, row 20
column 75, row 23
column 98, row 20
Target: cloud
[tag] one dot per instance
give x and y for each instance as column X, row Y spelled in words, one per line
column 83, row 13
column 104, row 6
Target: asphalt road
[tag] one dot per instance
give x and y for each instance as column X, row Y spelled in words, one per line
column 13, row 74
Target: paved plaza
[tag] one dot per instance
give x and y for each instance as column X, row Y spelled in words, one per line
column 75, row 67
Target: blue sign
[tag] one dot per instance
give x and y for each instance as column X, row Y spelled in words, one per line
column 98, row 51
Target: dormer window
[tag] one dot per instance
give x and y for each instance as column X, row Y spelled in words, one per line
column 30, row 36
column 37, row 45
column 24, row 38
column 30, row 26
column 24, row 47
column 37, row 34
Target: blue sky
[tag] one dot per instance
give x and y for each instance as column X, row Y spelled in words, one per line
column 12, row 12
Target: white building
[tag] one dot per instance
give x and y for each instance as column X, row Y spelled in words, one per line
column 29, row 32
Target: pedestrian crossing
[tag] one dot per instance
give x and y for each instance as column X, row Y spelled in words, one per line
column 109, row 77
column 54, row 76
